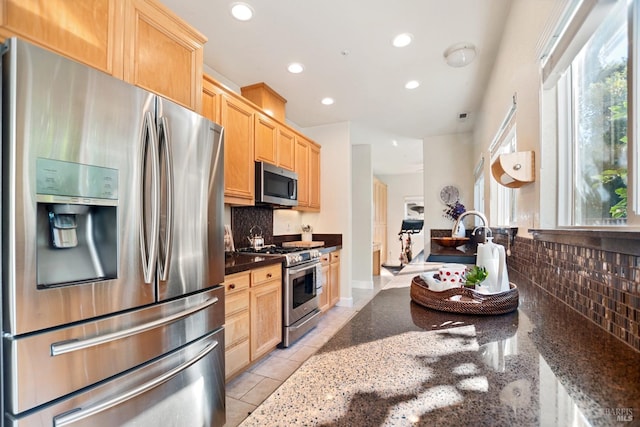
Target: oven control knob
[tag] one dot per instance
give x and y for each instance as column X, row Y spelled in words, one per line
column 314, row 253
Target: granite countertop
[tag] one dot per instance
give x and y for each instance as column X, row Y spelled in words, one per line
column 235, row 262
column 398, row 363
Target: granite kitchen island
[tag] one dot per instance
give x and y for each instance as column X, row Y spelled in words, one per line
column 398, row 363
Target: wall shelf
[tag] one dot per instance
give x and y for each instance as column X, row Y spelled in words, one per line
column 514, row 170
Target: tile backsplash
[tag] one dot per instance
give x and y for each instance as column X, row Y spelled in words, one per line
column 602, row 285
column 243, row 219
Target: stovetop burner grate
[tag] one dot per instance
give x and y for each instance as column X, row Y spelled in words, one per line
column 294, row 256
column 271, row 249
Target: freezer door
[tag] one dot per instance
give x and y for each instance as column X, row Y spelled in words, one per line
column 183, row 388
column 191, row 239
column 46, row 366
column 63, row 125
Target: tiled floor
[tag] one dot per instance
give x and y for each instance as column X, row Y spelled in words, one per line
column 247, row 391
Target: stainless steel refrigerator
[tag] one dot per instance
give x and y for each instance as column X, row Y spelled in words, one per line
column 112, row 251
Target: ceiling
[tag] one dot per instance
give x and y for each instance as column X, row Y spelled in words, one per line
column 345, row 47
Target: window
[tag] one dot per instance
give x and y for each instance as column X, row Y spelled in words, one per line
column 589, row 79
column 503, row 199
column 478, row 191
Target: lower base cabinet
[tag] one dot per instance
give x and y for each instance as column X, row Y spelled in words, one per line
column 253, row 316
column 331, row 279
column 236, row 337
column 266, row 318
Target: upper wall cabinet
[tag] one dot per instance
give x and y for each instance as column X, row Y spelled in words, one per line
column 140, row 41
column 286, row 148
column 87, row 31
column 237, row 118
column 252, row 135
column 314, row 177
column 211, row 99
column 307, row 165
column 162, row 53
column 266, row 143
column 239, row 171
column 274, row 142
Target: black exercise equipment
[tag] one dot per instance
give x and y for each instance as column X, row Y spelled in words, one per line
column 409, row 227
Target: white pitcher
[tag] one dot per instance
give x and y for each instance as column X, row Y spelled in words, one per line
column 492, row 257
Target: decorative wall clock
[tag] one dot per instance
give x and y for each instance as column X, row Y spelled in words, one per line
column 449, row 194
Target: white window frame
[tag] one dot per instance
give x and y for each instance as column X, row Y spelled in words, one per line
column 502, row 199
column 478, row 190
column 578, row 21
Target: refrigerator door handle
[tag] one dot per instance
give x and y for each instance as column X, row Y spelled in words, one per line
column 72, row 345
column 78, row 414
column 165, row 241
column 149, row 249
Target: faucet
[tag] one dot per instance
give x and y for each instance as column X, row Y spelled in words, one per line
column 485, row 223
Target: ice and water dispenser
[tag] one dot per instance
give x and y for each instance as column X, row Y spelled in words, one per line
column 77, row 223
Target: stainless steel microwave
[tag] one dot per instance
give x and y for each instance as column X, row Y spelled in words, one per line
column 276, row 186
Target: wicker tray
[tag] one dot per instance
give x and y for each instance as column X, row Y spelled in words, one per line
column 464, row 300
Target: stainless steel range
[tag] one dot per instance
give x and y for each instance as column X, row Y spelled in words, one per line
column 302, row 284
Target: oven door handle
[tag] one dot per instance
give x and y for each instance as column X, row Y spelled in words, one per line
column 80, row 414
column 75, row 344
column 308, row 266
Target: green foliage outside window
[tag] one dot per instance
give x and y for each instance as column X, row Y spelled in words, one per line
column 612, row 92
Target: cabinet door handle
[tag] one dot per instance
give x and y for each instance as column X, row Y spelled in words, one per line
column 269, row 275
column 232, row 286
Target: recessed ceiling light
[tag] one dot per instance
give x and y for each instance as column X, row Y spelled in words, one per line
column 241, row 11
column 402, row 40
column 394, row 143
column 412, row 84
column 327, row 101
column 295, row 68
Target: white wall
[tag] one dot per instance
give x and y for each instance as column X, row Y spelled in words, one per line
column 448, row 160
column 287, row 221
column 335, row 202
column 399, row 187
column 516, row 71
column 362, row 220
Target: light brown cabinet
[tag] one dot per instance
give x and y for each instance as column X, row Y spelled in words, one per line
column 239, row 171
column 314, row 177
column 307, row 165
column 266, row 309
column 211, row 100
column 236, row 338
column 334, row 279
column 162, row 53
column 286, row 148
column 139, row 41
column 302, row 169
column 253, row 316
column 323, row 298
column 266, row 139
column 274, row 142
column 253, row 135
column 331, row 278
column 89, row 32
